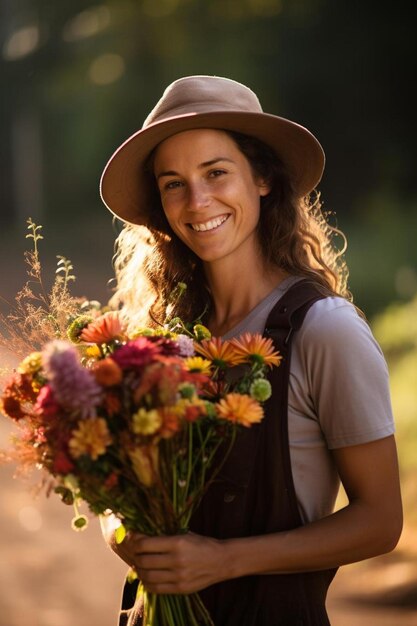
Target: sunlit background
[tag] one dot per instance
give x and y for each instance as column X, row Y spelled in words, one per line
column 77, row 78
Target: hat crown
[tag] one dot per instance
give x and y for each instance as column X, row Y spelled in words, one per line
column 203, row 94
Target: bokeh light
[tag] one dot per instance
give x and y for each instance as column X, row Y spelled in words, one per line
column 87, row 23
column 21, row 42
column 106, row 69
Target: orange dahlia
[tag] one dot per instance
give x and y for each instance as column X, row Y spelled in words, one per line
column 221, row 353
column 107, row 373
column 107, row 327
column 240, row 408
column 254, row 347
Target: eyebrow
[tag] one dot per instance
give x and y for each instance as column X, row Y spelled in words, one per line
column 200, row 166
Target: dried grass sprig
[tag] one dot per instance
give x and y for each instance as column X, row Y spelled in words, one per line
column 38, row 314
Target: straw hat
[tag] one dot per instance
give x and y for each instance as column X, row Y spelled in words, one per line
column 205, row 102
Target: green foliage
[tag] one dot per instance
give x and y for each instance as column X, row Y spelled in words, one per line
column 396, row 331
column 382, row 251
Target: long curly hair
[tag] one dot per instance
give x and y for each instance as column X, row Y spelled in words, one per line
column 294, row 232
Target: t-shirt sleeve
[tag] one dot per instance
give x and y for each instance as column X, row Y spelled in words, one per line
column 347, row 375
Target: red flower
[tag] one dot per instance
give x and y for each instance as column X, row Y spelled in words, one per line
column 10, row 405
column 111, row 481
column 46, row 404
column 62, row 464
column 192, row 413
column 17, row 392
column 170, row 422
column 112, row 404
column 135, row 354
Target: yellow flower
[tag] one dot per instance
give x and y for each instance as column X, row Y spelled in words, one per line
column 91, row 438
column 92, row 352
column 254, row 347
column 221, row 353
column 190, row 408
column 198, row 364
column 240, row 408
column 31, row 364
column 145, row 463
column 146, row 422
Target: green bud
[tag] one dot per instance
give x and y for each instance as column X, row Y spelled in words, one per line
column 260, row 389
column 201, row 332
column 174, row 323
column 142, row 332
column 80, row 522
column 187, row 390
column 210, row 409
column 77, row 326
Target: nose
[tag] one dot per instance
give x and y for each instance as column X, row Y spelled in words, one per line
column 198, row 197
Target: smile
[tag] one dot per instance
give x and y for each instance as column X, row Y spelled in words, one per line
column 211, row 224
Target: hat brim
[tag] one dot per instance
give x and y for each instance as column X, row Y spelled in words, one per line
column 123, row 185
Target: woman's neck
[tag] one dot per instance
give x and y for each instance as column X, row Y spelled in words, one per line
column 237, row 290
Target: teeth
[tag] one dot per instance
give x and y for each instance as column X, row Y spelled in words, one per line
column 214, row 223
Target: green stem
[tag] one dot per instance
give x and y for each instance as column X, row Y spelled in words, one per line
column 190, row 612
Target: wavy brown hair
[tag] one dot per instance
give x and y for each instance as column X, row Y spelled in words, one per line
column 294, row 233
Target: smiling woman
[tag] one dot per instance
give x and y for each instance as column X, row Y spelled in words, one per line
column 220, row 195
column 212, row 198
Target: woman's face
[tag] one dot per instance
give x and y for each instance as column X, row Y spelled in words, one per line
column 209, row 193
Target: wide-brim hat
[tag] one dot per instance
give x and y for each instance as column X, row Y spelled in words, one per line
column 205, row 102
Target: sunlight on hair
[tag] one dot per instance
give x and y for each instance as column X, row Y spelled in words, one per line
column 106, row 69
column 159, row 8
column 87, row 23
column 21, row 43
column 133, row 245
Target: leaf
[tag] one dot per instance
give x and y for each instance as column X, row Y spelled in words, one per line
column 120, row 534
column 131, row 576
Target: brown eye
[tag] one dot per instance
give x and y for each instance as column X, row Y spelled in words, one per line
column 216, row 173
column 173, row 184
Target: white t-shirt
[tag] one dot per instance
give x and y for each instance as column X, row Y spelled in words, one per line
column 338, row 393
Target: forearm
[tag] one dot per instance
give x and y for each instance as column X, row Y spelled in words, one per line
column 354, row 533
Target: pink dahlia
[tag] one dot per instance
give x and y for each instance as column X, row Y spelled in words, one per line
column 136, row 353
column 46, row 403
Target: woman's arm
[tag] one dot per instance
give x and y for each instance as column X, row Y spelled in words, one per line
column 369, row 525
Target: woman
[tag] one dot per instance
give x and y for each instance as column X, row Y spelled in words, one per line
column 217, row 194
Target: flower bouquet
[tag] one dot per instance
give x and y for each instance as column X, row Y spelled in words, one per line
column 131, row 423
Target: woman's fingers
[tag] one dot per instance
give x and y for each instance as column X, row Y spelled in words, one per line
column 174, row 564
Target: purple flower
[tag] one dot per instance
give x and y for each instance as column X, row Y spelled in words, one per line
column 136, row 353
column 186, row 345
column 73, row 386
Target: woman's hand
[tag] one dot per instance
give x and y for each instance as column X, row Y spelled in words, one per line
column 173, row 564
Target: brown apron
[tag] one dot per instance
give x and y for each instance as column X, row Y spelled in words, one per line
column 254, row 495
